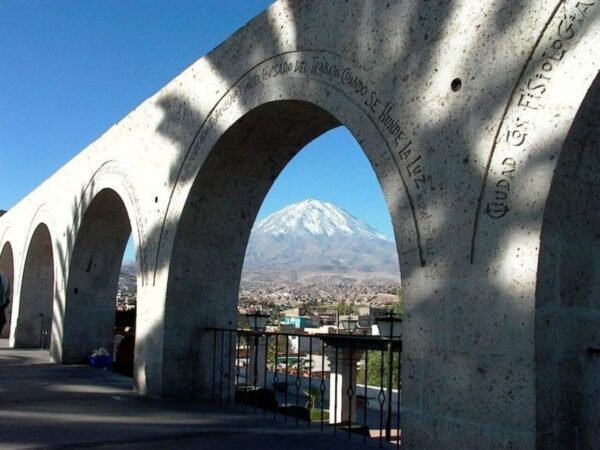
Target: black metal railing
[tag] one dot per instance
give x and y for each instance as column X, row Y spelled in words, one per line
column 343, row 382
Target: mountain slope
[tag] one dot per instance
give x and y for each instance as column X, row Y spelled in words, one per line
column 313, row 235
column 127, row 277
column 314, row 218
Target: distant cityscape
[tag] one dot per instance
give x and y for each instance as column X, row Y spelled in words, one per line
column 314, row 297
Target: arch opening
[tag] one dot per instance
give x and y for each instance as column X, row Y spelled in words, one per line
column 90, row 314
column 567, row 331
column 215, row 225
column 37, row 293
column 321, row 242
column 7, row 266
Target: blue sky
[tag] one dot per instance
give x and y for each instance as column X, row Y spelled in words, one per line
column 71, row 69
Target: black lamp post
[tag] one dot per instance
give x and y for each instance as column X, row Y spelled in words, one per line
column 390, row 327
column 258, row 323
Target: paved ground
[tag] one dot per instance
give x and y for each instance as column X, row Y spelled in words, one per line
column 50, row 406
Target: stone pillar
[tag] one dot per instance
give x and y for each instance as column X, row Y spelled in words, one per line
column 257, row 348
column 343, row 377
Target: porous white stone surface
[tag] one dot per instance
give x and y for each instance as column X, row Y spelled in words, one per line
column 464, row 111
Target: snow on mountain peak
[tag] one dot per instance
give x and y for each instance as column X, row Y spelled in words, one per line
column 315, row 218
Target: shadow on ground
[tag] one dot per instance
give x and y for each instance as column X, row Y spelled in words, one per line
column 59, row 407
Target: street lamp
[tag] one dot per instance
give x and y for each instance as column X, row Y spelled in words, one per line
column 258, row 322
column 390, row 327
column 349, row 324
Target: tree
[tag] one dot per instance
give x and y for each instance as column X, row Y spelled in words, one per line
column 398, row 306
column 314, row 396
column 374, row 373
column 344, row 308
column 271, row 355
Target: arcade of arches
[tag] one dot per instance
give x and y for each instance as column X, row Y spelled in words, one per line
column 481, row 126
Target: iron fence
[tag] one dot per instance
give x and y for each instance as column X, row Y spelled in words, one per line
column 339, row 382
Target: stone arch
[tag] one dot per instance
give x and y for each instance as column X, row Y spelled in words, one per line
column 465, row 167
column 467, row 333
column 93, row 276
column 221, row 208
column 108, row 175
column 7, row 265
column 36, row 294
column 380, row 139
column 568, row 291
column 111, row 175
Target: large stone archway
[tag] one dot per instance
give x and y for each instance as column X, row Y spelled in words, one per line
column 465, row 114
column 89, row 316
column 36, row 294
column 215, row 225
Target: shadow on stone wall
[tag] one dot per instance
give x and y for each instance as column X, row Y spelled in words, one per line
column 448, row 142
column 568, row 288
column 450, row 139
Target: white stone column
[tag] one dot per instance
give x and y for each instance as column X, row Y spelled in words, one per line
column 257, row 358
column 343, row 376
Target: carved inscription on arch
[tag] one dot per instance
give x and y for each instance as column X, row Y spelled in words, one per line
column 528, row 101
column 343, row 76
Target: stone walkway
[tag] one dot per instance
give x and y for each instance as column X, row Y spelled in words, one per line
column 49, row 406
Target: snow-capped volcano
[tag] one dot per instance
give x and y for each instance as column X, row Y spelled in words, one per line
column 314, row 218
column 321, row 236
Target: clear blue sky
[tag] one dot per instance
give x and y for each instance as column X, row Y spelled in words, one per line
column 70, row 69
